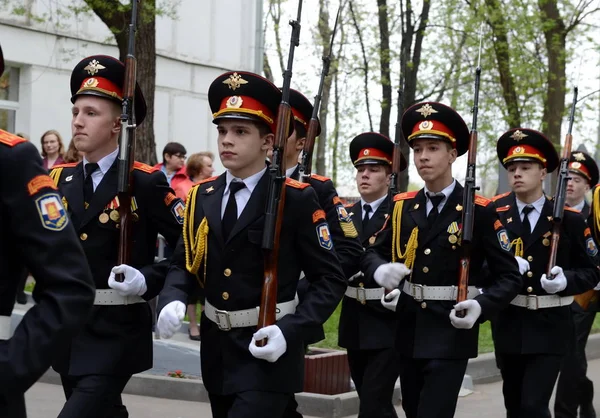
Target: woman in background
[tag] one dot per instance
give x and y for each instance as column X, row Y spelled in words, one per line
column 52, row 149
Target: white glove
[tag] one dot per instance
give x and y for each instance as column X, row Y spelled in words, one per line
column 523, row 265
column 558, row 284
column 390, row 300
column 134, row 283
column 473, row 309
column 390, row 275
column 597, row 286
column 275, row 347
column 170, row 319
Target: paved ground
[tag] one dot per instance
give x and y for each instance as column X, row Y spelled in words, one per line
column 45, row 401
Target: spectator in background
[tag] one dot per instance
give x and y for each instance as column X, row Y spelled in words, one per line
column 52, row 149
column 199, row 167
column 73, row 155
column 173, row 164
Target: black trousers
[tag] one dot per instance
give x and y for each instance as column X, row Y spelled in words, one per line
column 374, row 373
column 12, row 406
column 250, row 404
column 574, row 389
column 528, row 381
column 430, row 387
column 94, row 396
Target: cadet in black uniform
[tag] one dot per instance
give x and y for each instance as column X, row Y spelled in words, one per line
column 343, row 232
column 367, row 328
column 35, row 233
column 532, row 334
column 117, row 340
column 422, row 241
column 574, row 390
column 222, row 248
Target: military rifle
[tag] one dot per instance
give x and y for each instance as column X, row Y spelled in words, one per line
column 313, row 126
column 276, row 196
column 560, row 196
column 127, row 147
column 468, row 214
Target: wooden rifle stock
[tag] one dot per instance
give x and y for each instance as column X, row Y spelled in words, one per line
column 127, row 148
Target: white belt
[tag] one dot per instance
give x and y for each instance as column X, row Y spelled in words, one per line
column 362, row 295
column 534, row 302
column 226, row 320
column 421, row 292
column 5, row 333
column 111, row 297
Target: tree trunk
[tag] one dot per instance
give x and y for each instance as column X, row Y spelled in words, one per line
column 384, row 60
column 365, row 61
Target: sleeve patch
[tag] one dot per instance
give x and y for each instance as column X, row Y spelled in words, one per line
column 503, row 240
column 169, row 198
column 318, row 215
column 178, row 211
column 40, row 182
column 144, row 167
column 324, row 236
column 52, row 213
column 405, row 195
column 591, row 247
column 295, row 183
column 481, row 201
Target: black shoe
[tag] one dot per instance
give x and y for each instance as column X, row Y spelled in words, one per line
column 193, row 337
column 22, row 298
column 587, row 411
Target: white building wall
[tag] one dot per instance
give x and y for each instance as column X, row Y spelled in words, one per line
column 206, row 38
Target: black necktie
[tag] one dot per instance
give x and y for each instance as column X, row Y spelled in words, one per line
column 88, row 184
column 436, row 199
column 230, row 215
column 526, row 224
column 365, row 221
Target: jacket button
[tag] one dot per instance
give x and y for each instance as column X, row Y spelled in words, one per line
column 427, row 251
column 425, row 269
column 530, row 274
column 225, row 295
column 361, row 284
column 423, row 305
column 227, row 272
column 83, row 236
column 529, row 289
column 529, row 258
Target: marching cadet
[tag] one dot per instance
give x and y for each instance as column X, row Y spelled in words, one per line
column 222, row 247
column 574, row 390
column 422, row 241
column 533, row 333
column 343, row 232
column 35, row 233
column 367, row 328
column 116, row 341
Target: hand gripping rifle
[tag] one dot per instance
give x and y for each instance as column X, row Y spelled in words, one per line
column 468, row 215
column 561, row 190
column 309, row 145
column 127, row 147
column 276, row 196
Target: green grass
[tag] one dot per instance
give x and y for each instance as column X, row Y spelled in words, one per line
column 331, row 331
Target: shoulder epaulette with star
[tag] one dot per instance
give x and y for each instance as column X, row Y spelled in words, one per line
column 482, row 201
column 405, row 195
column 500, row 196
column 206, row 180
column 295, row 184
column 9, row 139
column 319, row 177
column 144, row 167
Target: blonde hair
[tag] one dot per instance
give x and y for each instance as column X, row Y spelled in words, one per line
column 195, row 163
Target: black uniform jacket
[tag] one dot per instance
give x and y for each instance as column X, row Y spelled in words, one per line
column 233, row 276
column 35, row 233
column 117, row 339
column 370, row 325
column 522, row 331
column 424, row 328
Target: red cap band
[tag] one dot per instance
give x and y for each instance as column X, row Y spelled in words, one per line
column 373, row 154
column 102, row 85
column 524, row 151
column 246, row 104
column 433, row 127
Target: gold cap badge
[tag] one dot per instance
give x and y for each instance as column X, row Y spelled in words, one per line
column 234, row 102
column 518, row 135
column 93, row 67
column 90, row 82
column 579, row 156
column 426, row 110
column 576, row 165
column 235, row 81
column 425, row 125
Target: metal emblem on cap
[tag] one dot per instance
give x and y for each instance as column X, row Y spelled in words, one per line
column 425, row 125
column 90, row 82
column 93, row 67
column 235, row 81
column 518, row 150
column 366, row 152
column 426, row 110
column 579, row 156
column 234, row 102
column 518, row 135
column 576, row 165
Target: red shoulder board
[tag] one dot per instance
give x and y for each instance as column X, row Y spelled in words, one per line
column 405, row 195
column 571, row 209
column 144, row 167
column 65, row 165
column 319, row 177
column 500, row 196
column 296, row 184
column 482, row 201
column 503, row 208
column 206, row 180
column 10, row 139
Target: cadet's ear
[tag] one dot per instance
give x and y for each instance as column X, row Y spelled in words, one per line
column 453, row 155
column 268, row 141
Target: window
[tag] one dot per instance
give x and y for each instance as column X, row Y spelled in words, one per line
column 9, row 98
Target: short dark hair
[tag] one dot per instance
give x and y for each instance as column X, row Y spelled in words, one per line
column 263, row 128
column 173, row 148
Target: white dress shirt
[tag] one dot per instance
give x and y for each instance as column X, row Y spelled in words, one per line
column 374, row 205
column 243, row 196
column 447, row 192
column 535, row 214
column 104, row 165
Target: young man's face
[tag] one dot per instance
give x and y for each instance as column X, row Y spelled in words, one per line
column 525, row 176
column 241, row 145
column 372, row 181
column 94, row 122
column 577, row 187
column 174, row 162
column 432, row 158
